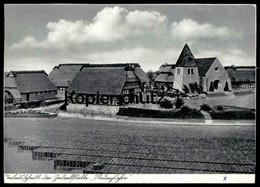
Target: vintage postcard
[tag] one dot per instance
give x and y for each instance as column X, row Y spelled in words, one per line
column 129, row 93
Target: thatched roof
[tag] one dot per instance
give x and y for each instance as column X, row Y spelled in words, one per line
column 242, row 75
column 103, row 79
column 9, row 81
column 166, row 73
column 137, row 69
column 204, row 64
column 186, row 58
column 233, row 67
column 167, row 68
column 165, row 77
column 15, row 93
column 110, row 65
column 141, row 75
column 64, row 73
column 32, row 81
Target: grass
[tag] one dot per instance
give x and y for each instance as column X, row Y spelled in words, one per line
column 243, row 93
column 237, row 100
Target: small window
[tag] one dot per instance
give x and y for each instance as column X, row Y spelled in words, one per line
column 216, row 69
column 11, row 74
column 188, row 71
column 191, row 71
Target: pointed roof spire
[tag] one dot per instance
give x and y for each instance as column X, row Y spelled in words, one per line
column 186, row 57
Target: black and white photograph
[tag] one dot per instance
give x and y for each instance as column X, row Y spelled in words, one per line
column 129, row 93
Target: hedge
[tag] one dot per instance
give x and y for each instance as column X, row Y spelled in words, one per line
column 178, row 114
column 232, row 115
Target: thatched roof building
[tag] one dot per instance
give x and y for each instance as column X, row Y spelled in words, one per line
column 136, row 68
column 62, row 74
column 241, row 74
column 24, row 86
column 110, row 79
column 166, row 76
column 32, row 81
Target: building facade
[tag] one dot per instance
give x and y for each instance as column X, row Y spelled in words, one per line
column 206, row 72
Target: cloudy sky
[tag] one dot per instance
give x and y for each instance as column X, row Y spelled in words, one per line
column 42, row 36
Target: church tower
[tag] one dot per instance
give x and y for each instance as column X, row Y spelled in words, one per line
column 186, row 70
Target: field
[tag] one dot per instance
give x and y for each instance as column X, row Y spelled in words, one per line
column 238, row 100
column 125, row 147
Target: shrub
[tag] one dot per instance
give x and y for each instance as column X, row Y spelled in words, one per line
column 220, row 108
column 166, row 103
column 186, row 89
column 200, row 89
column 192, row 88
column 196, row 87
column 179, row 102
column 205, row 107
column 226, row 87
column 232, row 115
column 211, row 88
column 180, row 114
column 185, row 109
column 188, row 113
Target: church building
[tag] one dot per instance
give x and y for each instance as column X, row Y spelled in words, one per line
column 207, row 72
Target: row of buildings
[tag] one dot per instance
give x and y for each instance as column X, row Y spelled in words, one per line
column 125, row 78
column 207, row 72
column 110, row 79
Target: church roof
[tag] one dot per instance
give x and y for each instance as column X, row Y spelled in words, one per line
column 186, row 58
column 204, row 64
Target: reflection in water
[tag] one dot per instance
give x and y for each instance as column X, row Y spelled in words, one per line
column 21, row 158
column 21, row 162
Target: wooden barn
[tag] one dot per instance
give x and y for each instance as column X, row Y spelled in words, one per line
column 242, row 77
column 107, row 79
column 28, row 86
column 62, row 75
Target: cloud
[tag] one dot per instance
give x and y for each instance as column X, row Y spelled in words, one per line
column 149, row 59
column 29, row 63
column 118, row 35
column 116, row 24
column 109, row 25
column 29, row 42
column 189, row 29
column 229, row 57
column 144, row 22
